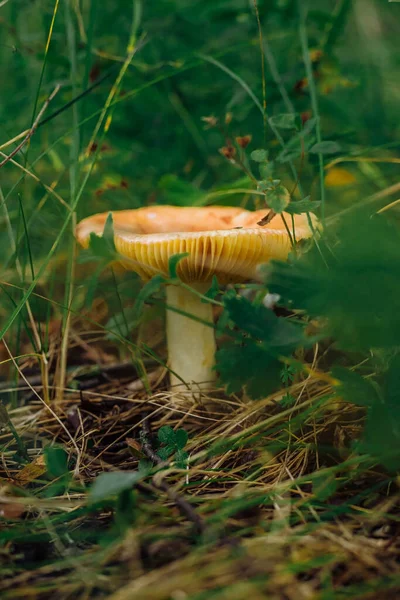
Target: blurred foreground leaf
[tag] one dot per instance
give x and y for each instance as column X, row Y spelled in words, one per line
column 255, row 363
column 56, row 461
column 111, row 484
column 352, row 281
column 261, row 323
column 248, row 365
column 381, row 436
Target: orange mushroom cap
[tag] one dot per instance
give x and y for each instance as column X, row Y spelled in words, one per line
column 222, row 241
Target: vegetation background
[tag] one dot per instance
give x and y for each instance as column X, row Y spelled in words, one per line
column 285, row 486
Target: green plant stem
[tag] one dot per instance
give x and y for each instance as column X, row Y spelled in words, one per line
column 73, row 179
column 314, row 98
column 263, row 80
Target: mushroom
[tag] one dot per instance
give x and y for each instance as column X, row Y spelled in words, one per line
column 222, row 241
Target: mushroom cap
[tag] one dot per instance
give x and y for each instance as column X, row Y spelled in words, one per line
column 222, row 241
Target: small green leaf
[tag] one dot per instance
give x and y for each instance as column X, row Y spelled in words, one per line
column 302, row 206
column 287, row 374
column 165, row 452
column 102, row 246
column 287, row 400
column 278, row 199
column 56, row 461
column 259, row 155
column 166, row 435
column 111, row 484
column 283, row 121
column 181, row 438
column 108, row 231
column 173, row 263
column 181, row 458
column 124, row 515
column 327, row 147
column 308, row 127
column 150, row 288
column 263, row 186
column 214, row 290
column 266, row 169
column 145, row 466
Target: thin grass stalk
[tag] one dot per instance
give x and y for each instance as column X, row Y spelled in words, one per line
column 73, row 177
column 314, row 98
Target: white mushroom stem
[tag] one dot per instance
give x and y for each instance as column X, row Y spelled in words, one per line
column 191, row 344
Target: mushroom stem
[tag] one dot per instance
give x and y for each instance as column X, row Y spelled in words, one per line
column 191, row 344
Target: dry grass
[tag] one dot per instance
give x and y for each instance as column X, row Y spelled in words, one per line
column 256, row 478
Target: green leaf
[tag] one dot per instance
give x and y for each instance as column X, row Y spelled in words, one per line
column 278, row 199
column 111, row 484
column 181, row 438
column 266, row 169
column 124, row 515
column 214, row 290
column 288, row 372
column 308, row 127
column 173, row 262
column 327, row 147
column 381, row 435
column 302, row 206
column 283, row 121
column 280, row 335
column 56, row 461
column 351, row 280
column 287, row 400
column 108, row 231
column 248, row 365
column 165, row 452
column 181, row 458
column 166, row 435
column 355, row 388
column 259, row 155
column 102, row 246
column 151, row 287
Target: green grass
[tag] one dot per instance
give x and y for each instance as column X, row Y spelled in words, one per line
column 287, row 483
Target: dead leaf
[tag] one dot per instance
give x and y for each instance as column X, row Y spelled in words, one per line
column 135, row 447
column 32, row 471
column 11, row 510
